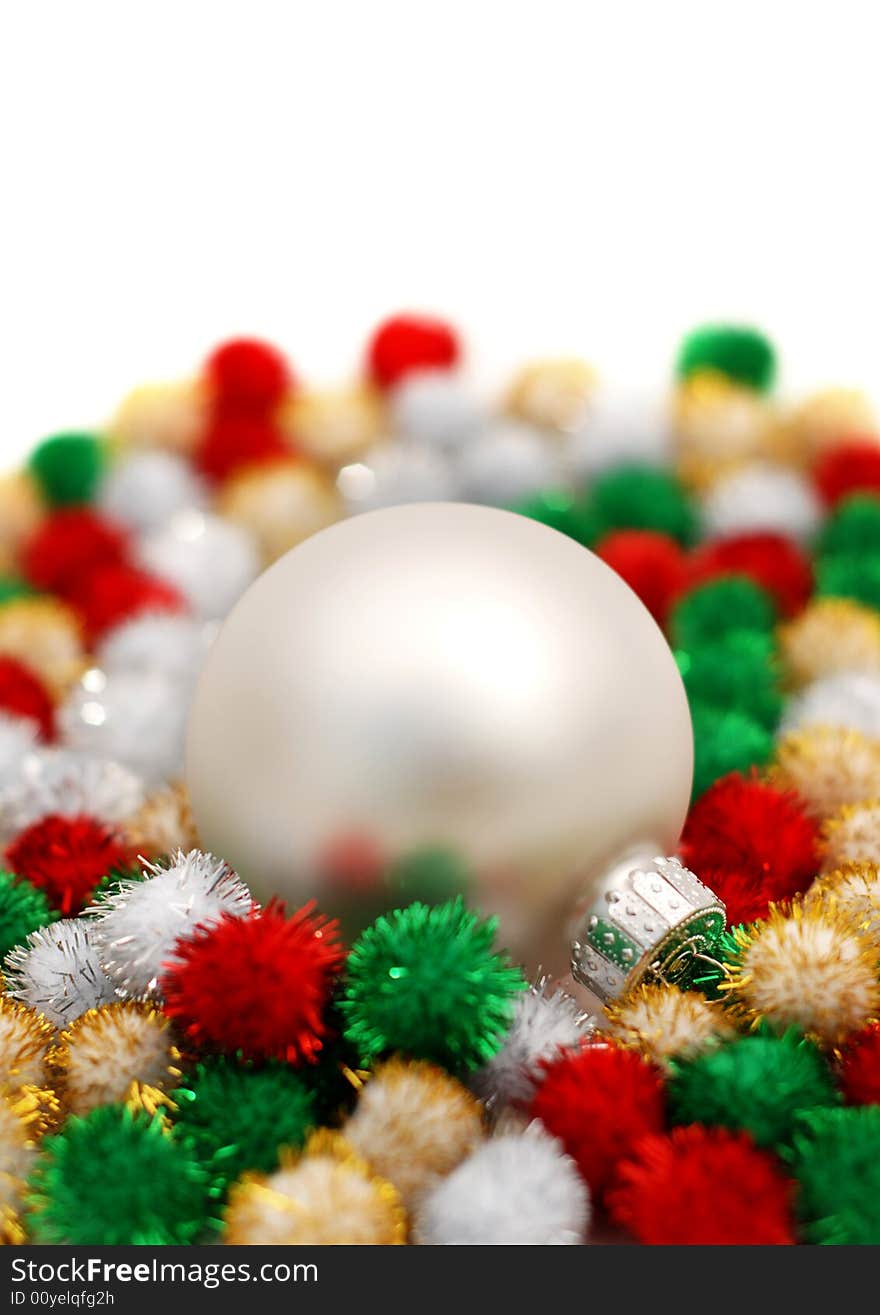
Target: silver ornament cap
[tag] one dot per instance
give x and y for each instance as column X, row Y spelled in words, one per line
column 648, row 922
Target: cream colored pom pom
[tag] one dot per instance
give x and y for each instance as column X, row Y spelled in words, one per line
column 45, row 635
column 662, row 1021
column 163, row 824
column 853, row 888
column 168, row 415
column 552, row 394
column 281, row 504
column 826, row 417
column 24, row 1038
column 830, row 635
column 117, row 1053
column 334, row 426
column 828, row 766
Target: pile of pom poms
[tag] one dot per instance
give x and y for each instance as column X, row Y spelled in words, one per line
column 179, row 1064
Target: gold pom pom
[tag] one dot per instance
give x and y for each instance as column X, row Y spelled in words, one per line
column 851, row 835
column 25, row 1036
column 662, row 1021
column 163, row 824
column 117, row 1053
column 552, row 394
column 281, row 504
column 21, row 511
column 828, row 766
column 44, row 634
column 327, row 1196
column 25, row 1114
column 719, row 423
column 854, row 889
column 809, row 969
column 831, row 634
column 826, row 417
column 334, row 426
column 414, row 1123
column 169, row 415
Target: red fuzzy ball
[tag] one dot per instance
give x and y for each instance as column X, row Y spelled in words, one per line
column 859, row 1072
column 233, row 441
column 67, row 857
column 850, row 467
column 751, row 843
column 70, row 544
column 23, row 694
column 701, row 1186
column 652, row 564
column 771, row 560
column 406, row 343
column 598, row 1101
column 113, row 594
column 258, row 985
column 248, row 375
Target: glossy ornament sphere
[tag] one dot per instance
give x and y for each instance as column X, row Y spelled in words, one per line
column 441, row 675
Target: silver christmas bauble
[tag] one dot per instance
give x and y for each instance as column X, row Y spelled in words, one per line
column 441, row 675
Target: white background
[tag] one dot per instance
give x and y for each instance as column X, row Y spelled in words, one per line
column 591, row 177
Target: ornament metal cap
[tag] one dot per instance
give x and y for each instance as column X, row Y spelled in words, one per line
column 648, row 922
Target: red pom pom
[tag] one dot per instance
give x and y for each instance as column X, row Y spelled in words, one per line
column 68, row 545
column 233, row 441
column 860, row 1067
column 67, row 857
column 113, row 594
column 652, row 564
column 410, row 342
column 703, row 1187
column 248, row 375
column 598, row 1101
column 771, row 560
column 751, row 843
column 258, row 985
column 850, row 467
column 23, row 694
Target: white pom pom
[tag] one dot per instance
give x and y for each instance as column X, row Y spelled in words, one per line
column 849, row 699
column 621, row 427
column 507, row 462
column 543, row 1024
column 157, row 641
column 137, row 926
column 18, row 736
column 762, row 496
column 394, row 474
column 210, row 560
column 57, row 971
column 517, row 1189
column 434, row 407
column 61, row 781
column 142, row 489
column 135, row 717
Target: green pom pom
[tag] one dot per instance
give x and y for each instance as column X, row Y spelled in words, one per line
column 425, row 981
column 759, row 1083
column 849, row 576
column 853, row 528
column 708, row 972
column 115, row 1178
column 726, row 740
column 562, row 511
column 719, row 608
column 835, row 1157
column 335, row 1080
column 735, row 673
column 643, row 498
column 23, row 908
column 235, row 1118
column 11, row 588
column 743, row 354
column 430, row 875
column 67, row 468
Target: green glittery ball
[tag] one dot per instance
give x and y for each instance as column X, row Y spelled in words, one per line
column 725, row 740
column 718, row 608
column 234, row 1117
column 563, row 511
column 738, row 672
column 23, row 908
column 835, row 1158
column 741, row 353
column 115, row 1178
column 426, row 981
column 852, row 529
column 708, row 973
column 11, row 587
column 430, row 875
column 760, row 1083
column 850, row 576
column 67, row 468
column 643, row 498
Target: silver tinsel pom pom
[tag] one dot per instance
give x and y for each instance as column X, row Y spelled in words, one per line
column 761, row 496
column 157, row 641
column 394, row 474
column 850, row 699
column 143, row 488
column 69, row 783
column 18, row 737
column 620, row 427
column 544, row 1022
column 57, row 971
column 507, row 462
column 135, row 717
column 210, row 560
column 137, row 926
column 516, row 1189
column 434, row 407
